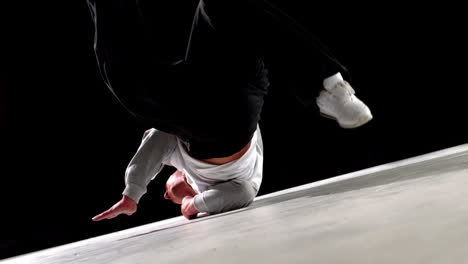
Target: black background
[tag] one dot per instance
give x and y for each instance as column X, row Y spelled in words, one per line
column 65, row 141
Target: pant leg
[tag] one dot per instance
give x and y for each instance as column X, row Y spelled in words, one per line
column 231, row 82
column 201, row 98
column 132, row 47
column 259, row 28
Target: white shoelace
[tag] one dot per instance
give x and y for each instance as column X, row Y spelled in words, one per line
column 343, row 90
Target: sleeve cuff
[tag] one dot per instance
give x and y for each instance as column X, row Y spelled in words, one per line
column 134, row 191
column 200, row 204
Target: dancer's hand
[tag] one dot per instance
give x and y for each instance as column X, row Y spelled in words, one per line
column 125, row 206
column 188, row 208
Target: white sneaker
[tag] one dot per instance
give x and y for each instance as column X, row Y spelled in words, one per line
column 339, row 102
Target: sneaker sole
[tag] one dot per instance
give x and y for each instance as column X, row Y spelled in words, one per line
column 361, row 121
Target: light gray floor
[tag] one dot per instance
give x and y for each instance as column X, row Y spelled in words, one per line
column 412, row 211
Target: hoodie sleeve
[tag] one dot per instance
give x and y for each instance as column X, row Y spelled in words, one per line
column 155, row 148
